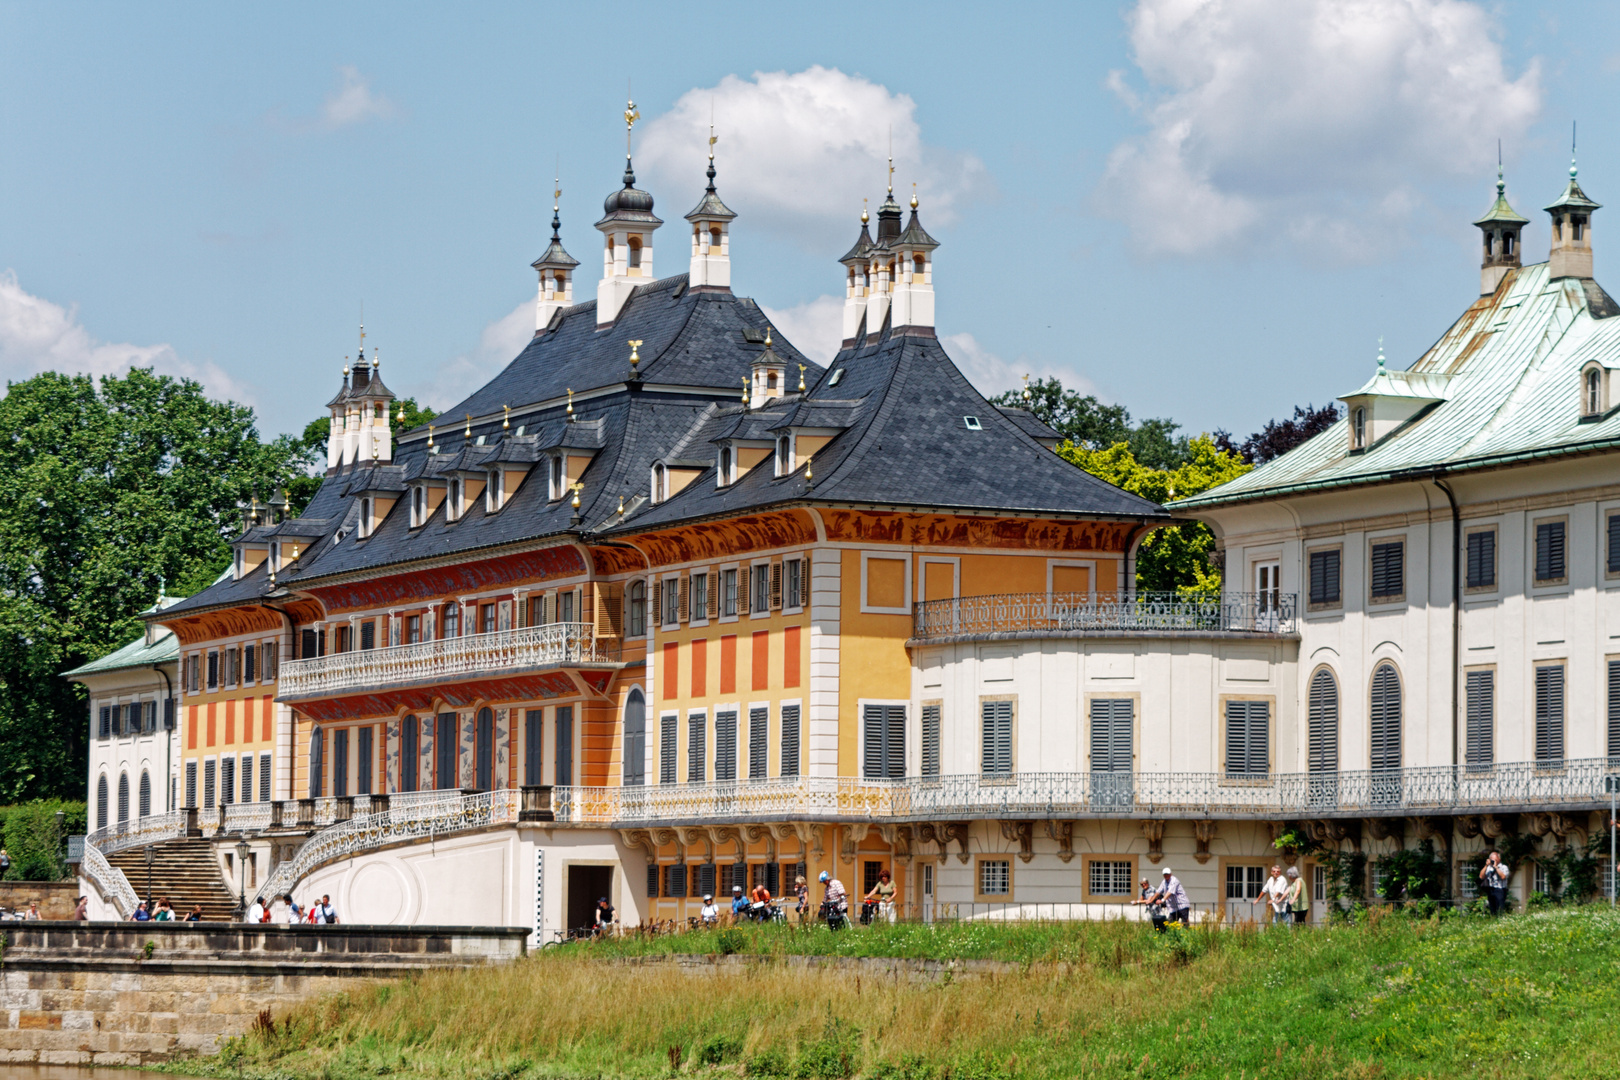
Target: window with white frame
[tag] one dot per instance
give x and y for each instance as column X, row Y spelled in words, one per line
column 1109, row 877
column 793, row 584
column 728, row 593
column 995, row 877
column 700, row 597
column 492, row 491
column 723, row 469
column 784, row 455
column 452, row 502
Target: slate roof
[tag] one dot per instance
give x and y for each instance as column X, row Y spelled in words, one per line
column 1508, row 372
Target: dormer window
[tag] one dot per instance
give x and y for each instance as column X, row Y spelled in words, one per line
column 723, row 476
column 365, row 517
column 1358, row 429
column 418, row 506
column 493, row 492
column 1594, row 392
column 784, row 456
column 660, row 482
column 275, row 557
column 452, row 503
column 557, row 484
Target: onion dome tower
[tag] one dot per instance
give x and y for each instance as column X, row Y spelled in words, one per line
column 627, row 227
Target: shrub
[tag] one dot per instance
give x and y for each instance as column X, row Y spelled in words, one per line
column 730, row 940
column 31, row 837
column 719, row 1049
column 831, row 1057
column 768, row 1063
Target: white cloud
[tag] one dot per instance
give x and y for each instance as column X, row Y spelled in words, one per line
column 499, row 343
column 992, row 375
column 815, row 327
column 799, row 151
column 37, row 335
column 353, row 101
column 1313, row 122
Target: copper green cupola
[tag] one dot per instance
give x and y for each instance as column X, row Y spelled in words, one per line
column 1501, row 226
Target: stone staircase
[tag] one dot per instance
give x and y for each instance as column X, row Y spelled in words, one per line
column 183, row 870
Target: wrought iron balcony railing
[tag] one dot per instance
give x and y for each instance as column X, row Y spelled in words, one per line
column 1002, row 613
column 446, row 659
column 1513, row 787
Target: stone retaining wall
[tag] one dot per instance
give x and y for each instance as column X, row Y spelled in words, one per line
column 56, row 899
column 142, row 993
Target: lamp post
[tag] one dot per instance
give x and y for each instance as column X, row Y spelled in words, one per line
column 241, row 871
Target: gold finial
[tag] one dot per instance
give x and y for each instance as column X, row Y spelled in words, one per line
column 430, row 436
column 362, row 339
column 913, row 195
column 345, row 368
column 631, row 115
column 767, row 335
column 1027, row 394
column 891, row 172
column 801, row 378
column 621, row 506
column 570, row 405
column 809, row 477
column 745, row 390
column 556, row 193
column 865, row 217
column 576, row 487
column 506, row 420
column 635, row 357
column 401, row 414
column 466, row 432
column 295, row 553
column 374, row 446
column 713, row 138
column 376, row 359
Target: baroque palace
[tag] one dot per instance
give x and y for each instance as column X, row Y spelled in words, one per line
column 666, row 607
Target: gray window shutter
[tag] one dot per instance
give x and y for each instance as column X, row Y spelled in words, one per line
column 1386, row 719
column 191, row 783
column 666, row 749
column 264, row 778
column 1388, row 570
column 1480, row 718
column 696, row 748
column 996, row 753
column 1481, row 560
column 1322, row 750
column 790, row 740
column 1550, row 714
column 1549, row 551
column 1248, row 738
column 930, row 740
column 759, row 733
column 635, row 739
column 884, row 751
column 1614, row 702
column 565, row 745
column 725, row 745
column 1111, row 749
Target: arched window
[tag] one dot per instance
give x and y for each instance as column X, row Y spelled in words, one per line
column 783, row 456
column 365, row 517
column 557, row 478
column 1507, row 244
column 1323, row 737
column 1594, row 392
column 1360, row 434
column 101, row 802
column 635, row 252
column 453, row 511
column 317, row 746
column 635, row 739
column 450, row 625
column 1487, row 245
column 770, row 380
column 725, row 466
column 1386, row 735
column 484, row 748
column 638, row 608
column 660, row 483
column 145, row 804
column 714, row 238
column 123, row 797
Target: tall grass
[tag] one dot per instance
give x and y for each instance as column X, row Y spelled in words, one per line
column 1530, row 996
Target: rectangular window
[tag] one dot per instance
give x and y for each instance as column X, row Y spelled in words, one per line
column 232, row 666
column 1111, row 735
column 1389, row 571
column 150, row 712
column 564, row 756
column 447, row 751
column 450, row 625
column 565, row 607
column 728, row 593
column 247, row 778
column 250, row 666
column 486, row 618
column 793, row 589
column 363, row 758
column 700, row 597
column 413, row 629
column 317, row 763
column 227, row 781
column 930, row 740
column 534, row 726
column 667, row 728
column 342, row 639
column 105, row 729
column 675, row 880
column 1319, row 883
column 770, row 875
column 1614, row 543
column 537, row 610
column 368, row 634
column 759, row 734
column 995, row 877
column 1325, row 576
column 996, row 757
column 1482, row 559
column 1248, row 738
column 213, row 670
column 264, row 777
column 1614, row 712
column 1549, row 552
column 1468, row 881
column 191, row 783
column 704, row 875
column 270, row 660
column 1244, row 882
column 669, row 594
column 410, row 735
column 870, row 869
column 883, row 747
column 1550, row 715
column 697, row 745
column 208, row 784
column 340, row 762
column 725, row 745
column 1109, row 877
column 760, row 582
column 652, row 881
column 790, row 740
column 1481, row 718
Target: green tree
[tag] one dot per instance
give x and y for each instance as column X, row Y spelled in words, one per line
column 111, row 487
column 1088, row 423
column 1175, row 557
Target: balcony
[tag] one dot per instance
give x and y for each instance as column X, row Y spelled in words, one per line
column 457, row 659
column 1122, row 614
column 1506, row 788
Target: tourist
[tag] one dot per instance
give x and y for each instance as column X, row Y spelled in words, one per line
column 1493, row 878
column 33, row 911
column 708, row 912
column 834, row 902
column 1174, row 898
column 164, row 912
column 801, row 889
column 1299, row 900
column 196, row 914
column 882, row 895
column 324, row 913
column 604, row 917
column 1148, row 897
column 1275, row 893
column 5, row 862
column 294, row 913
column 141, row 914
column 759, row 905
column 255, row 911
column 739, row 904
column 81, row 913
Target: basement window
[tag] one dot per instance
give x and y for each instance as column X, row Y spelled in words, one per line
column 972, row 423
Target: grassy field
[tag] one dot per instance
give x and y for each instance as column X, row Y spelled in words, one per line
column 1528, row 996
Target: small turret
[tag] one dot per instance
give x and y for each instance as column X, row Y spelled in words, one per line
column 1501, row 226
column 914, row 274
column 627, row 227
column 1571, row 254
column 767, row 375
column 711, row 236
column 338, row 411
column 857, row 262
column 556, row 268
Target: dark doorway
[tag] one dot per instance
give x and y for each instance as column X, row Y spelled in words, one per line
column 587, row 885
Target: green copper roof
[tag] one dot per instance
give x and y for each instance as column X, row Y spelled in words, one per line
column 136, row 654
column 1510, row 370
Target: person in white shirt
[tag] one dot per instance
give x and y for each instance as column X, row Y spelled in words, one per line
column 709, row 913
column 255, row 912
column 1493, row 878
column 1275, row 893
column 325, row 914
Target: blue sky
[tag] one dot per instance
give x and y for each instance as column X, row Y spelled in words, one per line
column 1205, row 210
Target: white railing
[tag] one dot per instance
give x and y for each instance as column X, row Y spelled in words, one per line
column 152, row 829
column 1156, row 612
column 247, row 817
column 418, row 819
column 447, row 658
column 1569, row 784
column 110, row 880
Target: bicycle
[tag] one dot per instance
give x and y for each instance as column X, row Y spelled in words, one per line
column 567, row 936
